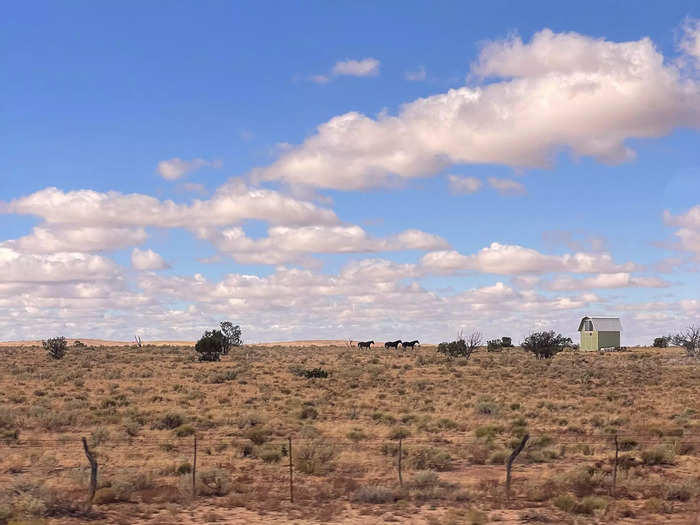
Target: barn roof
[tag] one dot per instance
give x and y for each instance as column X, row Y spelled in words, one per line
column 603, row 324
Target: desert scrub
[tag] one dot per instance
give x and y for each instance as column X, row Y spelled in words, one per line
column 375, row 494
column 170, row 421
column 660, row 455
column 314, row 457
column 430, row 458
column 8, row 426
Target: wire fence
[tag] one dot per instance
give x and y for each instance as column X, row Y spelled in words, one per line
column 278, row 472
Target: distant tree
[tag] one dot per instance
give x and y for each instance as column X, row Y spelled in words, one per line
column 545, row 344
column 506, row 342
column 232, row 334
column 494, row 345
column 56, row 347
column 461, row 347
column 211, row 345
column 78, row 344
column 690, row 340
column 663, row 341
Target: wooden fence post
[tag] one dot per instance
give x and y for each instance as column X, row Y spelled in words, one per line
column 291, row 473
column 93, row 471
column 194, row 469
column 614, row 476
column 509, row 465
column 400, row 454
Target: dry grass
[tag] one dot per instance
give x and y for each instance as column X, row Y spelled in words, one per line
column 139, row 409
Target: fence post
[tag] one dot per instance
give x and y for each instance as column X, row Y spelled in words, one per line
column 400, row 454
column 291, row 473
column 93, row 471
column 509, row 465
column 194, row 469
column 614, row 476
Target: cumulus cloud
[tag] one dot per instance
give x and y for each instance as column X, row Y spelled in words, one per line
column 690, row 41
column 463, row 185
column 688, row 233
column 606, row 280
column 176, row 168
column 16, row 267
column 77, row 239
column 289, row 244
column 514, row 260
column 231, row 204
column 357, row 68
column 147, row 260
column 558, row 91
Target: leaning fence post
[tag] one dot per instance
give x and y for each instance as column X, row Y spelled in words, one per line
column 400, row 454
column 194, row 469
column 291, row 473
column 93, row 471
column 509, row 465
column 614, row 476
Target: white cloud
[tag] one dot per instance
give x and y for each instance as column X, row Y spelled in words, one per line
column 292, row 244
column 514, row 260
column 463, row 185
column 357, row 68
column 558, row 91
column 16, row 267
column 147, row 260
column 507, row 186
column 416, row 76
column 77, row 239
column 688, row 232
column 230, row 204
column 606, row 280
column 176, row 168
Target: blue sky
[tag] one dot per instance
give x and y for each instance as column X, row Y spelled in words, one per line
column 320, row 170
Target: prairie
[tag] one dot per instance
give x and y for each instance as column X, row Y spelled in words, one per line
column 455, row 422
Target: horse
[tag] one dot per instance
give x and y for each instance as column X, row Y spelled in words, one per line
column 392, row 344
column 364, row 344
column 410, row 344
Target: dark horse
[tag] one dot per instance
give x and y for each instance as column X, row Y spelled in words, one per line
column 410, row 344
column 364, row 344
column 392, row 344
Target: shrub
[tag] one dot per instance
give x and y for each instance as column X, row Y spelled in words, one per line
column 223, row 376
column 663, row 341
column 56, row 347
column 8, row 426
column 461, row 347
column 308, row 412
column 506, row 342
column 430, row 458
column 216, row 482
column 211, row 345
column 232, row 336
column 545, row 344
column 184, row 431
column 660, row 455
column 315, row 373
column 184, row 468
column 494, row 345
column 171, row 420
column 375, row 494
column 314, row 457
column 424, row 479
column 79, row 344
column 690, row 340
column 270, row 454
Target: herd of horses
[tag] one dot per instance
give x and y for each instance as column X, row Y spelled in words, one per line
column 390, row 344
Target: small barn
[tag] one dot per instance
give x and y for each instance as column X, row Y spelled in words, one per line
column 600, row 332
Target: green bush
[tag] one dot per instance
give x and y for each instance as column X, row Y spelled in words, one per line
column 545, row 344
column 211, row 345
column 494, row 345
column 56, row 347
